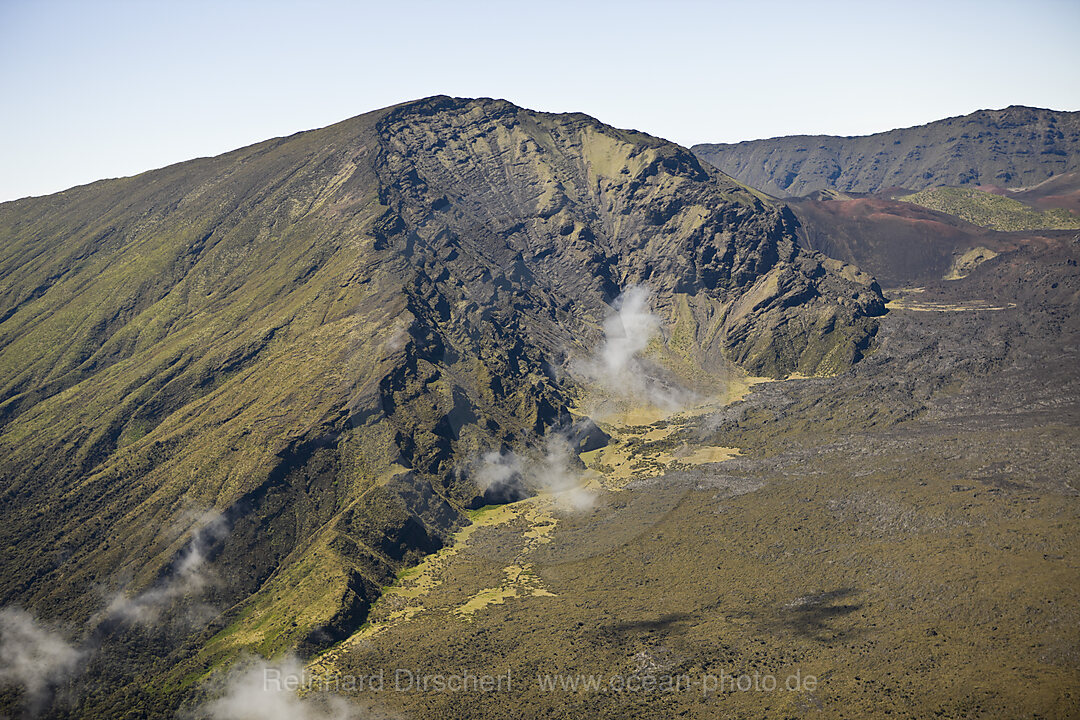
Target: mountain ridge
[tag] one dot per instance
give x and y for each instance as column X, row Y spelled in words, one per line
column 311, row 336
column 985, row 146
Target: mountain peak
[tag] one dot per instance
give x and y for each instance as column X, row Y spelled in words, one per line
column 312, row 333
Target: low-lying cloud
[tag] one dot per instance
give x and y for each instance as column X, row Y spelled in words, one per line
column 189, row 578
column 618, row 367
column 551, row 469
column 34, row 658
column 257, row 690
column 627, row 332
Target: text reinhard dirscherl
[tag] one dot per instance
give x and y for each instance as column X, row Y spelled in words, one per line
column 407, row 680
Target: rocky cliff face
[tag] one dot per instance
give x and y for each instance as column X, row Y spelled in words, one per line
column 566, row 213
column 311, row 337
column 1015, row 147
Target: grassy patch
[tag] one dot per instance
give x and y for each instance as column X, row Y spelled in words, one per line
column 993, row 211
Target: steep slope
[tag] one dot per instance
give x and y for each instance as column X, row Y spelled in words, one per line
column 310, row 337
column 1013, row 147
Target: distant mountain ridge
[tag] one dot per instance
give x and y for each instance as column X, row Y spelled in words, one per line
column 1014, row 147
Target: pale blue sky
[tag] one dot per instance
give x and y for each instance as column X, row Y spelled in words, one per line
column 112, row 88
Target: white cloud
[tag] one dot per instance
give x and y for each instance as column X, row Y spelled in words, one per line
column 258, row 690
column 627, row 332
column 189, row 579
column 551, row 470
column 618, row 367
column 34, row 658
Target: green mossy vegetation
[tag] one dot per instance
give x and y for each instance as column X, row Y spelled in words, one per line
column 990, row 210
